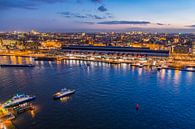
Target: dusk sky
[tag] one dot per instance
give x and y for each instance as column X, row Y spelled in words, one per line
column 94, row 15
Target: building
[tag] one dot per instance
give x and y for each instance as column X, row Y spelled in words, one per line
column 1, row 43
column 193, row 47
column 117, row 50
column 50, row 45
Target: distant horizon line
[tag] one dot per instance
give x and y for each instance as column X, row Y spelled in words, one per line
column 146, row 30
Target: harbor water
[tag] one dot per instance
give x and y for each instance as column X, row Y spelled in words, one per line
column 106, row 95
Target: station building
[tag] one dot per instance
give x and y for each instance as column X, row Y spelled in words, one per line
column 117, row 50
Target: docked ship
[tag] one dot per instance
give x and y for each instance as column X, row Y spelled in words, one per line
column 17, row 65
column 64, row 92
column 18, row 99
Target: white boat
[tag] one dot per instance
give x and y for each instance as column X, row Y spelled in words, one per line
column 64, row 92
column 18, row 99
column 159, row 68
column 140, row 65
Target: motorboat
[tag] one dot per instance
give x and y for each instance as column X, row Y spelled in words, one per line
column 64, row 92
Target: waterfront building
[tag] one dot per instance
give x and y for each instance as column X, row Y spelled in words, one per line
column 117, row 50
column 50, row 45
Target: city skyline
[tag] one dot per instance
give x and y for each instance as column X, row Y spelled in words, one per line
column 97, row 15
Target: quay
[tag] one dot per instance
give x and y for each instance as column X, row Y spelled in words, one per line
column 5, row 115
column 111, row 55
column 6, row 118
column 9, row 114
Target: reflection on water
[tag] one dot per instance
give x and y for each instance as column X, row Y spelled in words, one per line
column 140, row 70
column 189, row 76
column 177, row 75
column 162, row 74
column 15, row 60
column 169, row 74
column 65, row 99
column 32, row 112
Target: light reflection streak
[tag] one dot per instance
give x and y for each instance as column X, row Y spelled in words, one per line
column 162, row 74
column 169, row 74
column 34, row 111
column 133, row 68
column 177, row 75
column 13, row 59
column 140, row 70
column 65, row 99
column 19, row 60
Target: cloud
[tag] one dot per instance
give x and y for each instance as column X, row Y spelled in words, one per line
column 95, row 16
column 50, row 1
column 99, row 17
column 77, row 15
column 102, row 9
column 125, row 22
column 73, row 15
column 7, row 4
column 97, row 1
column 25, row 4
column 90, row 23
column 191, row 26
column 160, row 24
column 33, row 4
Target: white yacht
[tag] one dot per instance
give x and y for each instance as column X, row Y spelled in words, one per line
column 64, row 92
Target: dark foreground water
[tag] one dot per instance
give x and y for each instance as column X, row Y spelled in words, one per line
column 106, row 96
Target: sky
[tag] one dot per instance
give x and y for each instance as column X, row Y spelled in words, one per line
column 97, row 15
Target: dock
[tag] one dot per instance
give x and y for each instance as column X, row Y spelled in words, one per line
column 5, row 114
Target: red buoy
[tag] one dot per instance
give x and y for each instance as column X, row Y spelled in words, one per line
column 137, row 106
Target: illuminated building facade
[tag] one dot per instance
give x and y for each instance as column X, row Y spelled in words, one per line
column 193, row 47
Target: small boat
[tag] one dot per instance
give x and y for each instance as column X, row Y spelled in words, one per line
column 159, row 68
column 45, row 59
column 137, row 106
column 140, row 65
column 17, row 100
column 64, row 92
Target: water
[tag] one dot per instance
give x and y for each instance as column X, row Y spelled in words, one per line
column 106, row 96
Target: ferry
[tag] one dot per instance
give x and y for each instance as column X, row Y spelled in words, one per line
column 17, row 65
column 64, row 92
column 18, row 99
